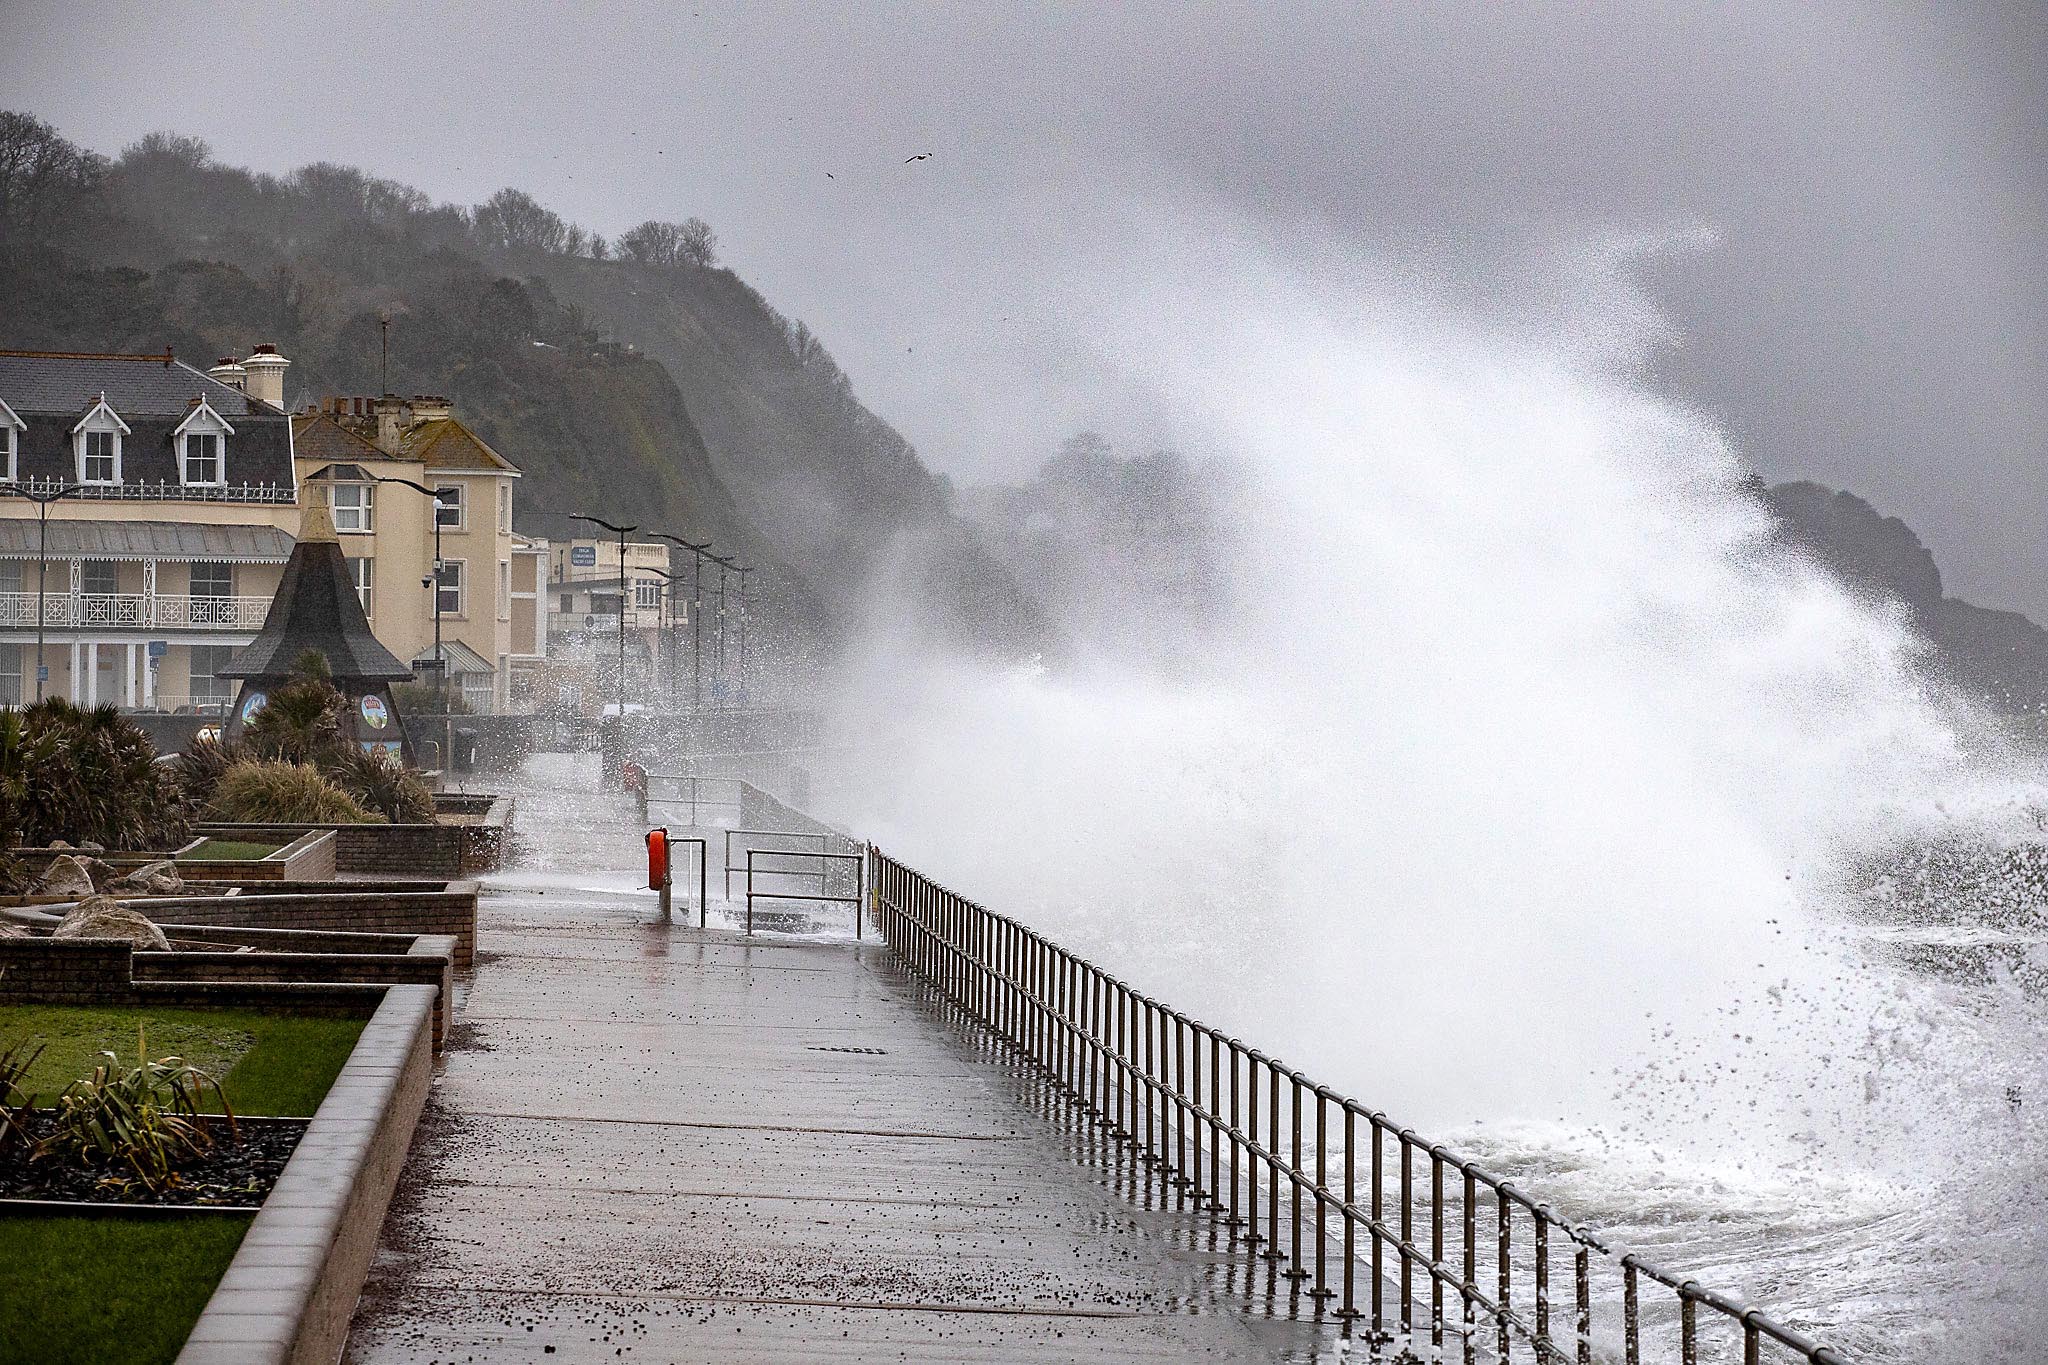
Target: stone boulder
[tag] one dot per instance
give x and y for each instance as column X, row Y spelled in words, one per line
column 65, row 876
column 105, row 917
column 153, row 879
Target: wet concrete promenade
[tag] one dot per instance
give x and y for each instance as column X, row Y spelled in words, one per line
column 657, row 1143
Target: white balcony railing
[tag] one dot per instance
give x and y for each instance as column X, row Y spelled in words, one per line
column 134, row 611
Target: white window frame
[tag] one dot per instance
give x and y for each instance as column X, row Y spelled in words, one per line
column 504, row 507
column 203, row 421
column 504, row 590
column 192, row 578
column 458, row 504
column 461, row 587
column 364, row 572
column 219, row 691
column 368, row 509
column 103, row 568
column 102, row 419
column 646, row 594
column 9, row 425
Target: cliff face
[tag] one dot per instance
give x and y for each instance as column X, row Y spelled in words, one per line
column 667, row 395
column 839, row 489
column 2000, row 658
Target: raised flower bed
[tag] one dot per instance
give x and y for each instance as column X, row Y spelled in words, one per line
column 361, row 1081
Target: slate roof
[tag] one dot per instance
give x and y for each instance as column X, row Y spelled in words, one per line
column 317, row 436
column 51, row 391
column 316, row 608
column 134, row 540
column 444, row 443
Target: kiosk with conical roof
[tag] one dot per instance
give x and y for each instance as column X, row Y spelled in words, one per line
column 316, row 610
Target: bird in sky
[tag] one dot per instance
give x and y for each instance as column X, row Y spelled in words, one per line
column 830, row 176
column 921, row 156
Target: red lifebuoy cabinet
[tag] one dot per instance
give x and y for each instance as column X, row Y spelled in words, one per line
column 657, row 858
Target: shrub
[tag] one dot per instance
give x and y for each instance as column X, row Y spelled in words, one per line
column 385, row 786
column 258, row 792
column 200, row 768
column 85, row 777
column 301, row 723
column 146, row 1121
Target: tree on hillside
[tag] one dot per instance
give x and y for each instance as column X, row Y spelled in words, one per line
column 690, row 242
column 513, row 219
column 45, row 181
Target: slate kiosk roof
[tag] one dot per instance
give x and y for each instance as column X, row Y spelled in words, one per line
column 316, row 608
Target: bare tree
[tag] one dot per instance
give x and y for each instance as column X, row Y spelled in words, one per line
column 696, row 243
column 513, row 219
column 656, row 243
column 43, row 178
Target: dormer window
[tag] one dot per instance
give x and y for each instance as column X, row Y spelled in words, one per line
column 11, row 428
column 202, row 440
column 96, row 444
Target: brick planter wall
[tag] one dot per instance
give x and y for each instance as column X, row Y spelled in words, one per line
column 380, row 850
column 287, row 1296
column 105, row 972
column 451, row 911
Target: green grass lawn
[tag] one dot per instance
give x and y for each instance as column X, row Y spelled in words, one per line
column 270, row 1064
column 84, row 1289
column 91, row 1288
column 233, row 849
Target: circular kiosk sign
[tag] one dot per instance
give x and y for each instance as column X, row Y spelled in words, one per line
column 251, row 704
column 375, row 713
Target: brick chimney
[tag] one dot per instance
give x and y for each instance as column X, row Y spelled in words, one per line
column 265, row 369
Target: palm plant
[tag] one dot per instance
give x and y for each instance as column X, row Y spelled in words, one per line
column 84, row 776
column 383, row 785
column 146, row 1121
column 15, row 1099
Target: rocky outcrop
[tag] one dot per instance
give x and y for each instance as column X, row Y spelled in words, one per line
column 152, row 879
column 1998, row 658
column 67, row 875
column 105, row 917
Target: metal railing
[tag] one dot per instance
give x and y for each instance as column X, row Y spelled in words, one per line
column 269, row 493
column 134, row 609
column 726, row 794
column 1140, row 1068
column 823, row 872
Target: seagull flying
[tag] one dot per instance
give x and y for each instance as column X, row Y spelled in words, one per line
column 921, row 156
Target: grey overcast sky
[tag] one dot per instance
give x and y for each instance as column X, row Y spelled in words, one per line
column 1871, row 314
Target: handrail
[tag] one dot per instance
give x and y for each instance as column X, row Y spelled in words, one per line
column 1125, row 1058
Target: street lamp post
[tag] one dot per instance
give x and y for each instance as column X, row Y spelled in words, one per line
column 440, row 660
column 696, row 615
column 42, row 498
column 723, row 564
column 743, row 571
column 622, row 532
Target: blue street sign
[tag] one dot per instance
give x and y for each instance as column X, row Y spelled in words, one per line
column 582, row 556
column 159, row 648
column 43, row 673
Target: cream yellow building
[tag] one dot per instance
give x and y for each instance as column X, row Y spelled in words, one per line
column 395, row 471
column 172, row 505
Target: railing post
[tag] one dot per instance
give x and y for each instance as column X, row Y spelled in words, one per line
column 1350, row 1305
column 1296, row 1270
